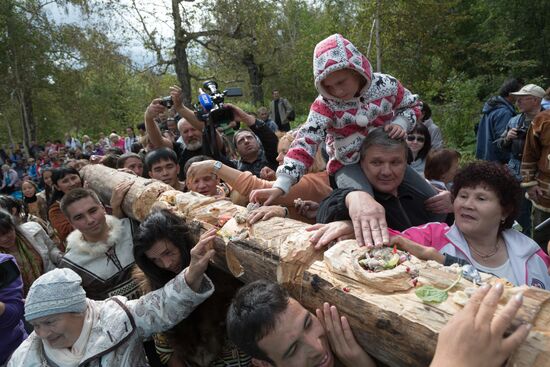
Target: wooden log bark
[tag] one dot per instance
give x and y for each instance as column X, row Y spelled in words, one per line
column 139, row 199
column 393, row 325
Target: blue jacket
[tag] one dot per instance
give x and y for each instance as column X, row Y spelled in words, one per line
column 497, row 111
column 11, row 321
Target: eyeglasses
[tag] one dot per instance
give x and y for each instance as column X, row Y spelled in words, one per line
column 418, row 138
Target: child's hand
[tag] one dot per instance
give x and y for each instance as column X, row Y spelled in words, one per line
column 395, row 131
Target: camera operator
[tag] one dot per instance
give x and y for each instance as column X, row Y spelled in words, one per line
column 513, row 140
column 257, row 145
column 193, row 131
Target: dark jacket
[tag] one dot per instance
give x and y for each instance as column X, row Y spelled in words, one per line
column 402, row 212
column 11, row 294
column 497, row 111
column 268, row 150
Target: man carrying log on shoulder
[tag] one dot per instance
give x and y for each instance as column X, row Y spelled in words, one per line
column 100, row 248
column 273, row 328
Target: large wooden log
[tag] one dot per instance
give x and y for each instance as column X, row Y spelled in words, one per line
column 139, row 199
column 393, row 325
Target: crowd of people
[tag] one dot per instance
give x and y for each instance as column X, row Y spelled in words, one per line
column 82, row 284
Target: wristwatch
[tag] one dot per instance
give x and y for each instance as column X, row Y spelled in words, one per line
column 217, row 166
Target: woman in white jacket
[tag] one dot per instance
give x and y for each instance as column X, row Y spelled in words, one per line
column 71, row 330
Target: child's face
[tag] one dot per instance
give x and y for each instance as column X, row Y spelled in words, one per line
column 343, row 84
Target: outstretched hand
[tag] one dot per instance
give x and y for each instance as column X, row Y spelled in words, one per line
column 117, row 196
column 268, row 174
column 307, row 208
column 368, row 218
column 325, row 234
column 341, row 338
column 475, row 336
column 265, row 196
column 154, row 109
column 201, row 254
column 266, row 212
column 240, row 115
column 417, row 250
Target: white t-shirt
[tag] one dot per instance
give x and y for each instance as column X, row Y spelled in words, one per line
column 504, row 271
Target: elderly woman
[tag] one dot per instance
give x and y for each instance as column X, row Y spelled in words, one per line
column 31, row 247
column 486, row 201
column 71, row 330
column 162, row 248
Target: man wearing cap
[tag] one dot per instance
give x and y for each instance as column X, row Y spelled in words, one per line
column 513, row 139
column 535, row 169
column 71, row 330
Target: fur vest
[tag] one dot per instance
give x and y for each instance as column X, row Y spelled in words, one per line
column 105, row 267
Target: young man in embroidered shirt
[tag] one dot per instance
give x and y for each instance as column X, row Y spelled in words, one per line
column 100, row 248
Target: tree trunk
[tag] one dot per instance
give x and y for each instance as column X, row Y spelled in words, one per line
column 255, row 76
column 23, row 93
column 392, row 324
column 378, row 43
column 180, row 52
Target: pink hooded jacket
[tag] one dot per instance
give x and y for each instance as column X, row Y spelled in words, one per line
column 345, row 123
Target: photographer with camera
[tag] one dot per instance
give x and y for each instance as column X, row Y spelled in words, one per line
column 193, row 131
column 513, row 140
column 256, row 145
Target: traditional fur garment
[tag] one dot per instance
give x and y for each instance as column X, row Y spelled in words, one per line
column 105, row 267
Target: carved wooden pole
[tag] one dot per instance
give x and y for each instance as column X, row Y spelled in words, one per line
column 389, row 321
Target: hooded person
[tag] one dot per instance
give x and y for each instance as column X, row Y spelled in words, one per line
column 352, row 101
column 71, row 330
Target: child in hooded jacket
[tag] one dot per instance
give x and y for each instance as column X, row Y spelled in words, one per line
column 352, row 100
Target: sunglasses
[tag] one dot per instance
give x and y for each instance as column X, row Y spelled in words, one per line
column 418, row 138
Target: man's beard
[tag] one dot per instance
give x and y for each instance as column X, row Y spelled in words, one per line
column 194, row 145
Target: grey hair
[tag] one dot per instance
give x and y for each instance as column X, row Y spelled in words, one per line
column 379, row 137
column 181, row 121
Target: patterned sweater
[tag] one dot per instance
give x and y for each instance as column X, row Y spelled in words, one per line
column 343, row 124
column 535, row 165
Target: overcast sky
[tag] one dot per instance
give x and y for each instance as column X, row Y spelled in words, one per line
column 157, row 17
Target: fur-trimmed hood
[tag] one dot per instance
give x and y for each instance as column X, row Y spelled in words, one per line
column 77, row 243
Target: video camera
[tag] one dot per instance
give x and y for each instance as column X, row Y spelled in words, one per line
column 210, row 107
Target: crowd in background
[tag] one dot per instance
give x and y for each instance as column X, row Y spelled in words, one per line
column 369, row 163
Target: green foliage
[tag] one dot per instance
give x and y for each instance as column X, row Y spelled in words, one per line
column 430, row 294
column 459, row 113
column 454, row 54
